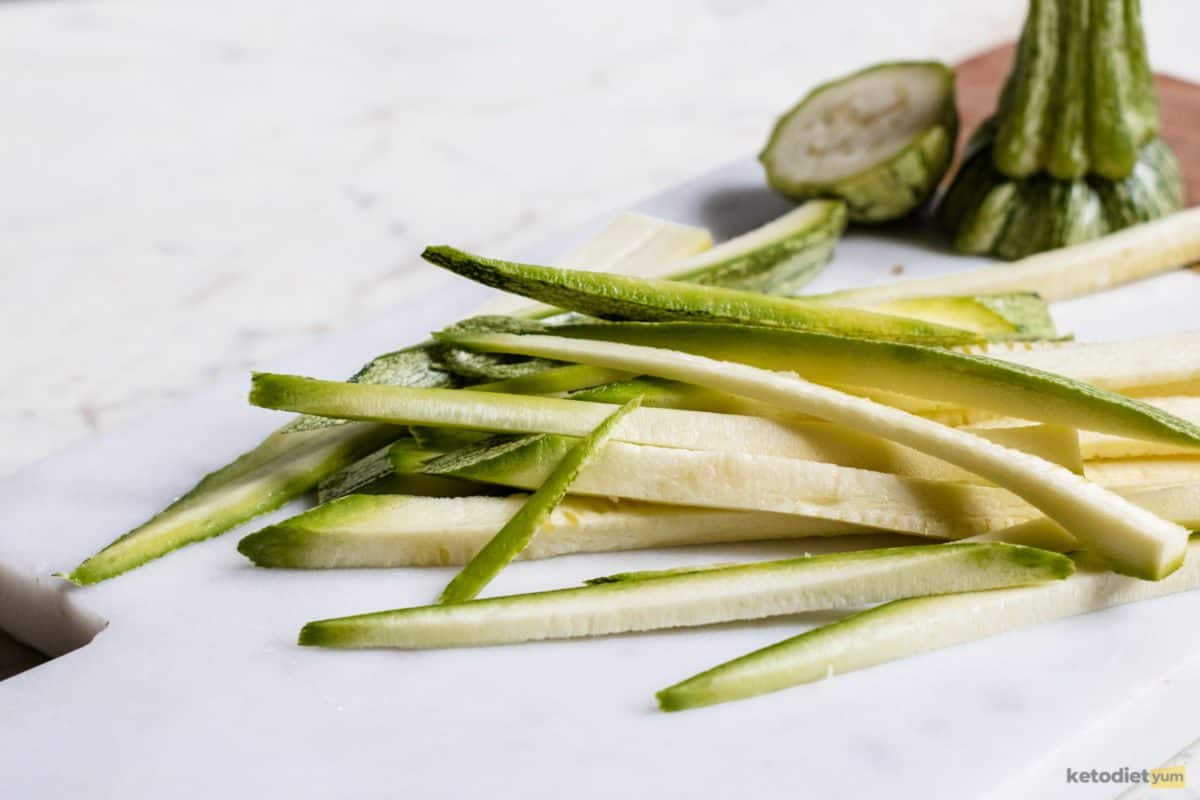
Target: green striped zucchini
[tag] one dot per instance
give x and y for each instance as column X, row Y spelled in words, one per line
column 1080, row 97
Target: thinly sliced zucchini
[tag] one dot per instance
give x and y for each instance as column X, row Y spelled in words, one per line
column 694, row 430
column 1128, row 255
column 917, row 625
column 617, row 296
column 638, row 244
column 1180, row 503
column 662, row 393
column 399, row 531
column 980, row 382
column 517, row 532
column 1133, row 540
column 373, row 469
column 1146, row 367
column 1097, row 446
column 780, row 257
column 709, row 479
column 752, row 591
column 1080, row 96
column 1017, row 316
column 880, row 139
column 214, row 509
column 631, row 244
column 1140, row 472
column 571, row 378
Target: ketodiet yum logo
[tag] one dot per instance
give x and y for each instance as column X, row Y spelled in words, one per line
column 1160, row 778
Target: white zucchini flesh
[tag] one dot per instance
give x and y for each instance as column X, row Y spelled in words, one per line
column 632, row 244
column 403, row 531
column 664, row 427
column 1153, row 365
column 1133, row 473
column 1133, row 540
column 1179, row 503
column 1122, row 257
column 752, row 591
column 857, row 124
column 939, row 509
column 1096, row 446
column 918, row 625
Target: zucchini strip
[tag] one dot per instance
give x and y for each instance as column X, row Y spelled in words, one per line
column 400, row 531
column 693, row 430
column 1180, row 503
column 631, row 244
column 1099, row 446
column 752, row 591
column 1143, row 472
column 1133, row 540
column 973, row 381
column 917, row 625
column 607, row 295
column 780, row 257
column 302, row 460
column 707, row 479
column 1002, row 317
column 517, row 532
column 1128, row 255
column 1153, row 365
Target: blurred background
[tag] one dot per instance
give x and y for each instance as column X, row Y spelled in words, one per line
column 192, row 187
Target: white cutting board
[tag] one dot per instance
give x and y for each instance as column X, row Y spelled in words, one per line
column 196, row 688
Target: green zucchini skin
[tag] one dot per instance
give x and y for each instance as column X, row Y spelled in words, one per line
column 899, row 182
column 1080, row 97
column 988, row 213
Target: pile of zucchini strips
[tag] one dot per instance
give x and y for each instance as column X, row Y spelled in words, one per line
column 663, row 391
column 1029, row 476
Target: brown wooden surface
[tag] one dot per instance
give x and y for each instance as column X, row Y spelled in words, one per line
column 980, row 79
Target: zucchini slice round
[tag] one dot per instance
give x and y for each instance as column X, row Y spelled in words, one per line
column 987, row 212
column 880, row 139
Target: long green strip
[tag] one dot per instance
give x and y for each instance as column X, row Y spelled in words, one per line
column 750, row 591
column 974, row 381
column 461, row 413
column 917, row 625
column 608, row 295
column 400, row 531
column 518, row 531
column 1132, row 539
column 211, row 510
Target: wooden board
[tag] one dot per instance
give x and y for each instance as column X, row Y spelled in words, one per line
column 980, row 79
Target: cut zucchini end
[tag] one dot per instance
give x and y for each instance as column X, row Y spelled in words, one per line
column 324, row 633
column 880, row 139
column 72, row 577
column 684, row 695
column 1156, row 571
column 277, row 546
